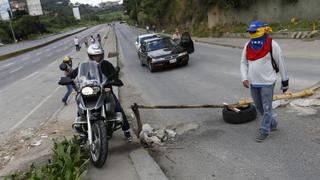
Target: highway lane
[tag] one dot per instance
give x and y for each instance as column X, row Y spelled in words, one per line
column 29, row 93
column 23, row 65
column 25, row 44
column 218, row 150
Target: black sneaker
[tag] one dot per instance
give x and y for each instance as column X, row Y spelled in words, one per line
column 261, row 137
column 127, row 134
column 64, row 102
column 274, row 128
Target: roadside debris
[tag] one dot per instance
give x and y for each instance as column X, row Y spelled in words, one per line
column 279, row 103
column 36, row 143
column 152, row 137
column 305, row 102
column 157, row 137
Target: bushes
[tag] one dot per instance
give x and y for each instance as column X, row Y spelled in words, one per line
column 67, row 163
column 26, row 26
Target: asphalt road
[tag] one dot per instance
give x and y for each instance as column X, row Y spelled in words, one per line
column 25, row 44
column 218, row 150
column 29, row 91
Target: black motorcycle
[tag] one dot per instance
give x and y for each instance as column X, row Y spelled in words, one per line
column 96, row 106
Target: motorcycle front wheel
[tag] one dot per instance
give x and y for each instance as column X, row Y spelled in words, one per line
column 99, row 147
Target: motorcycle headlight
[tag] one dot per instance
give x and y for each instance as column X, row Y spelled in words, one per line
column 183, row 54
column 87, row 91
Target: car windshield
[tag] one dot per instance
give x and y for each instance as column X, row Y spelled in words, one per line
column 148, row 37
column 160, row 44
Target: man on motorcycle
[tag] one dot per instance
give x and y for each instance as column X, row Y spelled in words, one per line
column 96, row 53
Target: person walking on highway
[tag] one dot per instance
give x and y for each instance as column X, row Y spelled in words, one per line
column 86, row 42
column 260, row 61
column 66, row 66
column 99, row 39
column 77, row 43
column 92, row 40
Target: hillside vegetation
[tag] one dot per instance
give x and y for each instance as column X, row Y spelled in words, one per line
column 193, row 15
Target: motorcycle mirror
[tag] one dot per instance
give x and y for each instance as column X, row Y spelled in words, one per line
column 65, row 81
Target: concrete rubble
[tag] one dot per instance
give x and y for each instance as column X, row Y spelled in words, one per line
column 155, row 137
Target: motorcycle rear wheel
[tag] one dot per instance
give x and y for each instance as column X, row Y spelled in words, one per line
column 99, row 147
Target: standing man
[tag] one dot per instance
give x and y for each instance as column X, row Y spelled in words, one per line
column 176, row 35
column 76, row 43
column 261, row 60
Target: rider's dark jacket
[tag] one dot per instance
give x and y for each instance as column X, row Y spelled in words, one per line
column 104, row 66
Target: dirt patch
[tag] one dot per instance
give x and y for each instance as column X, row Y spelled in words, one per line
column 29, row 142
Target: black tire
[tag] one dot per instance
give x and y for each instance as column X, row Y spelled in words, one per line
column 99, row 147
column 150, row 66
column 247, row 114
column 185, row 63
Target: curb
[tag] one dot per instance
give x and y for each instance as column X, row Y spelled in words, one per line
column 219, row 44
column 145, row 166
column 19, row 52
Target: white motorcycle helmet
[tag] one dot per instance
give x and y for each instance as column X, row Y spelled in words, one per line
column 95, row 52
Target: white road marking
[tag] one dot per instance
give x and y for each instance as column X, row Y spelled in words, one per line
column 7, row 65
column 31, row 75
column 36, row 60
column 25, row 58
column 33, row 110
column 51, row 64
column 15, row 70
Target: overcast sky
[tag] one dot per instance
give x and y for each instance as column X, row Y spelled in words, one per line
column 91, row 2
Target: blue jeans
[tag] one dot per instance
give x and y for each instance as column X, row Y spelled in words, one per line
column 69, row 91
column 118, row 108
column 262, row 97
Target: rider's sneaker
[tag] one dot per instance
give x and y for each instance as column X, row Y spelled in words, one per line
column 127, row 134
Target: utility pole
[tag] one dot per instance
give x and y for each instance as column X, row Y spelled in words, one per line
column 10, row 22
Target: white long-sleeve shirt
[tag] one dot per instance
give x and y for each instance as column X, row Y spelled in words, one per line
column 76, row 41
column 260, row 72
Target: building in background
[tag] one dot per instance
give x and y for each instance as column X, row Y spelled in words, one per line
column 18, row 5
column 4, row 10
column 76, row 13
column 34, row 7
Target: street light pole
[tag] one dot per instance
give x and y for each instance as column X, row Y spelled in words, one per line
column 14, row 36
column 10, row 22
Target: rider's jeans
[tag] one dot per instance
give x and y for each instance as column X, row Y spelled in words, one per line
column 125, row 125
column 262, row 97
column 69, row 91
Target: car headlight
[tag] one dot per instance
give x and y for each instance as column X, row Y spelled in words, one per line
column 183, row 54
column 87, row 91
